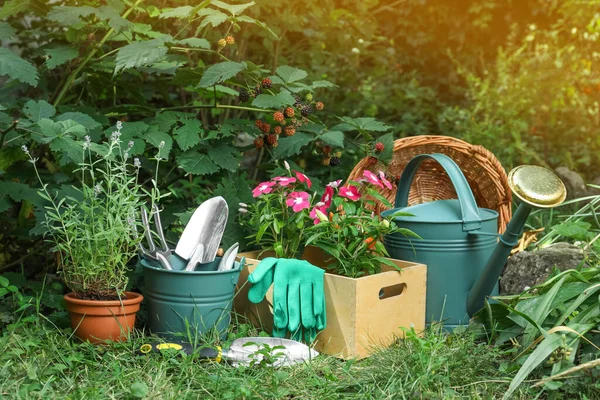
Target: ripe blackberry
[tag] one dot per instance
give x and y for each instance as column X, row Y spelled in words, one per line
column 298, row 102
column 309, row 97
column 222, row 43
column 326, row 149
column 266, row 128
column 277, row 130
column 267, row 83
column 289, row 112
column 272, row 139
column 306, row 110
column 290, row 130
column 230, row 40
column 259, row 143
column 319, row 106
column 326, row 160
column 244, row 95
column 334, row 161
column 258, row 89
column 379, row 147
column 278, row 117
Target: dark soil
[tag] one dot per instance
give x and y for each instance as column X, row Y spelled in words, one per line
column 99, row 296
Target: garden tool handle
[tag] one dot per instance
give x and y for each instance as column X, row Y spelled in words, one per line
column 470, row 212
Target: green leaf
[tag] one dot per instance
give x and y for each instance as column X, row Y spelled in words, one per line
column 226, row 90
column 290, row 74
column 68, row 15
column 153, row 11
column 15, row 67
column 115, row 20
column 60, row 55
column 69, row 150
column 388, row 147
column 6, row 31
column 245, row 18
column 195, row 163
column 220, row 72
column 187, row 136
column 234, row 9
column 225, row 156
column 292, row 145
column 199, row 43
column 17, row 191
column 367, row 124
column 139, row 390
column 334, row 138
column 38, row 110
column 178, row 12
column 155, row 138
column 15, row 7
column 213, row 17
column 273, row 101
column 138, row 54
column 81, row 118
column 575, row 230
column 322, row 84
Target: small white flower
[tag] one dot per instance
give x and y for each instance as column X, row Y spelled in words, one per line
column 97, row 190
column 244, row 205
column 137, row 163
column 87, row 143
column 126, row 155
column 161, row 144
column 287, row 166
column 242, row 210
column 119, row 125
column 355, row 50
column 361, row 41
column 25, row 149
column 130, row 144
column 115, row 136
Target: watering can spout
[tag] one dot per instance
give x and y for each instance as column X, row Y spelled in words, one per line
column 536, row 187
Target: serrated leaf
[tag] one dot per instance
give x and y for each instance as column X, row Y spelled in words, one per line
column 155, row 138
column 60, row 55
column 15, row 7
column 138, row 54
column 15, row 67
column 234, row 9
column 81, row 118
column 226, row 90
column 17, row 191
column 199, row 43
column 187, row 136
column 178, row 12
column 334, row 138
column 388, row 147
column 115, row 20
column 38, row 110
column 292, row 145
column 195, row 163
column 322, row 84
column 220, row 72
column 6, row 31
column 69, row 150
column 68, row 15
column 245, row 18
column 225, row 156
column 213, row 17
column 367, row 124
column 153, row 11
column 273, row 101
column 290, row 74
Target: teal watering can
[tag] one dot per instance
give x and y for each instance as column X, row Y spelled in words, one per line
column 460, row 244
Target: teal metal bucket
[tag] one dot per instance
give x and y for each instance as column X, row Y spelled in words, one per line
column 458, row 238
column 189, row 302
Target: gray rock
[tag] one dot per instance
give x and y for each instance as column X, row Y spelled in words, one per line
column 575, row 184
column 529, row 268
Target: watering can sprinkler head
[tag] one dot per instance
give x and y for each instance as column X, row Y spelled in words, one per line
column 536, row 187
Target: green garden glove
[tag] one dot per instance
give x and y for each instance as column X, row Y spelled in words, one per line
column 261, row 280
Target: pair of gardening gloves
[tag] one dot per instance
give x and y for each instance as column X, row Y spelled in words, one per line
column 298, row 296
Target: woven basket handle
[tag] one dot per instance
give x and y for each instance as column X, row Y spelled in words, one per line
column 468, row 206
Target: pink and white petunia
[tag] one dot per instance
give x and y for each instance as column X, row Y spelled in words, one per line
column 284, row 180
column 384, row 181
column 262, row 188
column 298, row 201
column 315, row 216
column 350, row 192
column 327, row 196
column 303, row 178
column 372, row 178
column 334, row 184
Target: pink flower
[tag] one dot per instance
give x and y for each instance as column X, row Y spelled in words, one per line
column 350, row 192
column 372, row 178
column 284, row 180
column 264, row 187
column 334, row 184
column 385, row 181
column 298, row 201
column 303, row 178
column 327, row 196
column 313, row 213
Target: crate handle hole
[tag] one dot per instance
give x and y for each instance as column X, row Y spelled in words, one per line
column 391, row 291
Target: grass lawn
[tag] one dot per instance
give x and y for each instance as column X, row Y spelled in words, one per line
column 40, row 361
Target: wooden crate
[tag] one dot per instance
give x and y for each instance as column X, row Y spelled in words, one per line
column 362, row 314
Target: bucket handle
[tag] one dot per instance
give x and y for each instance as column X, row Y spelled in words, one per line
column 470, row 212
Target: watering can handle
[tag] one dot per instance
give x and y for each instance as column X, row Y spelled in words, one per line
column 468, row 206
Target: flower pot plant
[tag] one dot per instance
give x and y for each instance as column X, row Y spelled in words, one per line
column 366, row 294
column 93, row 230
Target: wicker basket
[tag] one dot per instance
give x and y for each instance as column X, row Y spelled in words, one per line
column 483, row 171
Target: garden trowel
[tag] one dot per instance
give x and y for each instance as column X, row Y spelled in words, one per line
column 244, row 351
column 205, row 227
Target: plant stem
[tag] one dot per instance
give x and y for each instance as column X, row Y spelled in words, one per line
column 75, row 73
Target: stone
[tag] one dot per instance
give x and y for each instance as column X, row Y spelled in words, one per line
column 575, row 184
column 530, row 268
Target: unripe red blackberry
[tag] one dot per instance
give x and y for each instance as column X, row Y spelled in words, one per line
column 259, row 143
column 258, row 123
column 277, row 130
column 230, row 40
column 319, row 106
column 289, row 112
column 326, row 149
column 266, row 128
column 371, row 161
column 271, row 138
column 244, row 95
column 379, row 147
column 290, row 130
column 278, row 117
column 267, row 83
column 305, row 110
column 334, row 161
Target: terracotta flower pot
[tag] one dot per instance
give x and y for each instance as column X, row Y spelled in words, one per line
column 99, row 320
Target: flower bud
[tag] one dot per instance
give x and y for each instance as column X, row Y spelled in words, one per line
column 242, row 211
column 322, row 217
column 244, row 205
column 385, row 222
